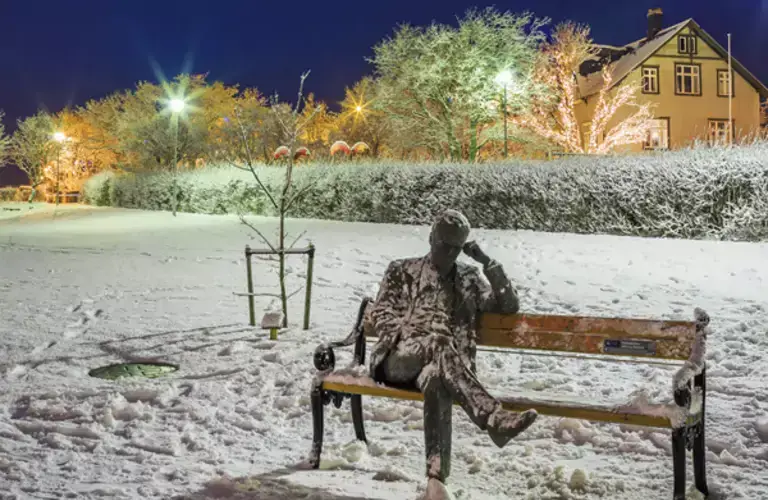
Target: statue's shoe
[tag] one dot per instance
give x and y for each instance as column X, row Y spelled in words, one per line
column 503, row 425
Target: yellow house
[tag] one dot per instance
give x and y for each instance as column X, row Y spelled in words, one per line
column 683, row 72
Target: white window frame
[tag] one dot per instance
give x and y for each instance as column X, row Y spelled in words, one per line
column 718, row 132
column 681, row 72
column 658, row 134
column 728, row 81
column 687, row 44
column 650, row 76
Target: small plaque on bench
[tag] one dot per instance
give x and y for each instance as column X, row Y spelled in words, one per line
column 630, row 347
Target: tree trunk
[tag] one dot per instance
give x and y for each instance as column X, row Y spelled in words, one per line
column 473, row 149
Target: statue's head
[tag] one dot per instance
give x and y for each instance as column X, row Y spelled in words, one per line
column 449, row 233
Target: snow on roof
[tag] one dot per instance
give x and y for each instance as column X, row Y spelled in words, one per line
column 641, row 50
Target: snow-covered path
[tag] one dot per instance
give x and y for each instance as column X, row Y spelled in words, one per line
column 96, row 286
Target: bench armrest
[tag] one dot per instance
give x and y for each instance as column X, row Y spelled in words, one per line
column 685, row 376
column 324, row 357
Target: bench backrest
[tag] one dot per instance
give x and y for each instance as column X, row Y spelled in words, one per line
column 588, row 335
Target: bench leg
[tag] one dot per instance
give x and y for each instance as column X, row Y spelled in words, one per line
column 678, row 462
column 357, row 417
column 699, row 442
column 316, row 399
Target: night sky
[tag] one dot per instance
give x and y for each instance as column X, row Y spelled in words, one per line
column 59, row 53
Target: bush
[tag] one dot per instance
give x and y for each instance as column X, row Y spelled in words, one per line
column 700, row 193
column 96, row 190
column 8, row 194
column 21, row 193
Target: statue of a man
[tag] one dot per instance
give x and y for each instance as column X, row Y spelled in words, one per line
column 425, row 318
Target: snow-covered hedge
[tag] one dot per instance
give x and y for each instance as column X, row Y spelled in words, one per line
column 700, row 193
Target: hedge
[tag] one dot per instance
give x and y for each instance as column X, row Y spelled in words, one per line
column 716, row 193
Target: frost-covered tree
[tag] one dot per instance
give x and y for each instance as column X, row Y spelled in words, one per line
column 438, row 85
column 360, row 120
column 5, row 142
column 554, row 115
column 237, row 138
column 33, row 148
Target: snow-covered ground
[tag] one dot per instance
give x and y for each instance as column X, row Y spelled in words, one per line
column 90, row 286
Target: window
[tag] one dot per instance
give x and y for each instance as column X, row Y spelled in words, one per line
column 658, row 134
column 724, row 83
column 650, row 79
column 687, row 79
column 686, row 44
column 718, row 132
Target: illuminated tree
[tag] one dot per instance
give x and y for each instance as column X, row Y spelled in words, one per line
column 83, row 154
column 33, row 148
column 5, row 142
column 437, row 85
column 360, row 120
column 554, row 117
column 320, row 124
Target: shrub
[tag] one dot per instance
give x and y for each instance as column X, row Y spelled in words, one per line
column 698, row 193
column 21, row 193
column 97, row 188
column 8, row 194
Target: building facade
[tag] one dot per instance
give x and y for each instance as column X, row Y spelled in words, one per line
column 683, row 72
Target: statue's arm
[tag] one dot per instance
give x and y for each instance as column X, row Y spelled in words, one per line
column 384, row 314
column 496, row 292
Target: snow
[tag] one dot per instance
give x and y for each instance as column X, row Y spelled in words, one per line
column 82, row 287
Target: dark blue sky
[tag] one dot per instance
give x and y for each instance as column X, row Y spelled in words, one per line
column 55, row 53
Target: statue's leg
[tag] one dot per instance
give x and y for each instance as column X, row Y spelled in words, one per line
column 438, row 407
column 482, row 408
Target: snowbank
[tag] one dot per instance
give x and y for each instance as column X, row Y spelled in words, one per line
column 235, row 420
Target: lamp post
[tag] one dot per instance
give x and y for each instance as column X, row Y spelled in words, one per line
column 504, row 79
column 176, row 106
column 60, row 138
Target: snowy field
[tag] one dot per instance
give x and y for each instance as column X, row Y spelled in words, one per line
column 84, row 287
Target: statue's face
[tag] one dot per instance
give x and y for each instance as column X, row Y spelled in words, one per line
column 445, row 248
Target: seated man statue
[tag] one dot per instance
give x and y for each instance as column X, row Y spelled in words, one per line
column 425, row 318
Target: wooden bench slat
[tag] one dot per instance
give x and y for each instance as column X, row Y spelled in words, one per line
column 589, row 335
column 651, row 415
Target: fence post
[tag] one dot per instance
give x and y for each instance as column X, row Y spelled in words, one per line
column 251, row 310
column 308, row 298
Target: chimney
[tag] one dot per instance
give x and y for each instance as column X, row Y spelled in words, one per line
column 655, row 20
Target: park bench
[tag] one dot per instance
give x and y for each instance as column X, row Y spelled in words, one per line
column 636, row 340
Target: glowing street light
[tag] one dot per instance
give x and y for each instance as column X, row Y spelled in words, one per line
column 177, row 105
column 505, row 79
column 59, row 137
column 358, row 108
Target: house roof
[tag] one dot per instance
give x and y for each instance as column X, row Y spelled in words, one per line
column 627, row 58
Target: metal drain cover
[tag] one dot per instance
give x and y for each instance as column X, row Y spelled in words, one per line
column 147, row 369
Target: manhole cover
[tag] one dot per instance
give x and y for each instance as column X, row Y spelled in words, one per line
column 145, row 370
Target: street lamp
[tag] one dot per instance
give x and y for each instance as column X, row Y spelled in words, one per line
column 176, row 107
column 60, row 138
column 358, row 108
column 504, row 79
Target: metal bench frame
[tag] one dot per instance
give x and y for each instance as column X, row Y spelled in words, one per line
column 689, row 396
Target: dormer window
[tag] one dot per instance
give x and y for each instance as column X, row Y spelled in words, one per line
column 686, row 44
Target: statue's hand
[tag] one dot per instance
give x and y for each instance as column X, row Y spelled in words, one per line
column 474, row 252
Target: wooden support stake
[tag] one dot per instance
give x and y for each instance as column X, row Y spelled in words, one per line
column 308, row 297
column 251, row 309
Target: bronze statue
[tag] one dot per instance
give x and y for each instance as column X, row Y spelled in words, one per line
column 425, row 318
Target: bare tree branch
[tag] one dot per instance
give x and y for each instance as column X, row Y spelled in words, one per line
column 255, row 229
